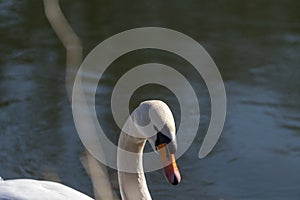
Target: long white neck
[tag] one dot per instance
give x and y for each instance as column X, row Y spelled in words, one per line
column 133, row 186
column 144, row 121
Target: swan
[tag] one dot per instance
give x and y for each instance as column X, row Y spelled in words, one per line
column 150, row 116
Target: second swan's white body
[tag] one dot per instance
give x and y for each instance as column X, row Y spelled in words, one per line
column 25, row 189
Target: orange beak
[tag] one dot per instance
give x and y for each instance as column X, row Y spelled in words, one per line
column 168, row 161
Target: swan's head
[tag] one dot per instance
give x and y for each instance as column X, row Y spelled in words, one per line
column 155, row 121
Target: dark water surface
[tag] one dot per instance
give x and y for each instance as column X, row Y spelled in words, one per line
column 255, row 45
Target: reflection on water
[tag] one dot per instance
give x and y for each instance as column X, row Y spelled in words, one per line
column 255, row 45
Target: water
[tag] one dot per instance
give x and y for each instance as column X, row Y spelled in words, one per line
column 256, row 46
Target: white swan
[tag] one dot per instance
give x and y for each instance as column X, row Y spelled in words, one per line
column 133, row 186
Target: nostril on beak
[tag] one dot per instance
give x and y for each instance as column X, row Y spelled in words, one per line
column 175, row 182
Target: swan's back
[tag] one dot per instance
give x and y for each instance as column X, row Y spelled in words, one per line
column 25, row 189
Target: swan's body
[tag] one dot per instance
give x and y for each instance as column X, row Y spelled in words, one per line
column 133, row 186
column 25, row 189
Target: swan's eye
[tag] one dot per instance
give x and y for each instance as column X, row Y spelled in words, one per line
column 162, row 139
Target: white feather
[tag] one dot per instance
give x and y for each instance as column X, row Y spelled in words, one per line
column 25, row 189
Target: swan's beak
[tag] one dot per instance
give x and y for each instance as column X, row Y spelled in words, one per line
column 169, row 162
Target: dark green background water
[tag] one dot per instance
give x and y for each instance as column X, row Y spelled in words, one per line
column 256, row 46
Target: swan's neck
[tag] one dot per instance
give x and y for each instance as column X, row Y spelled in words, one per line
column 133, row 186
